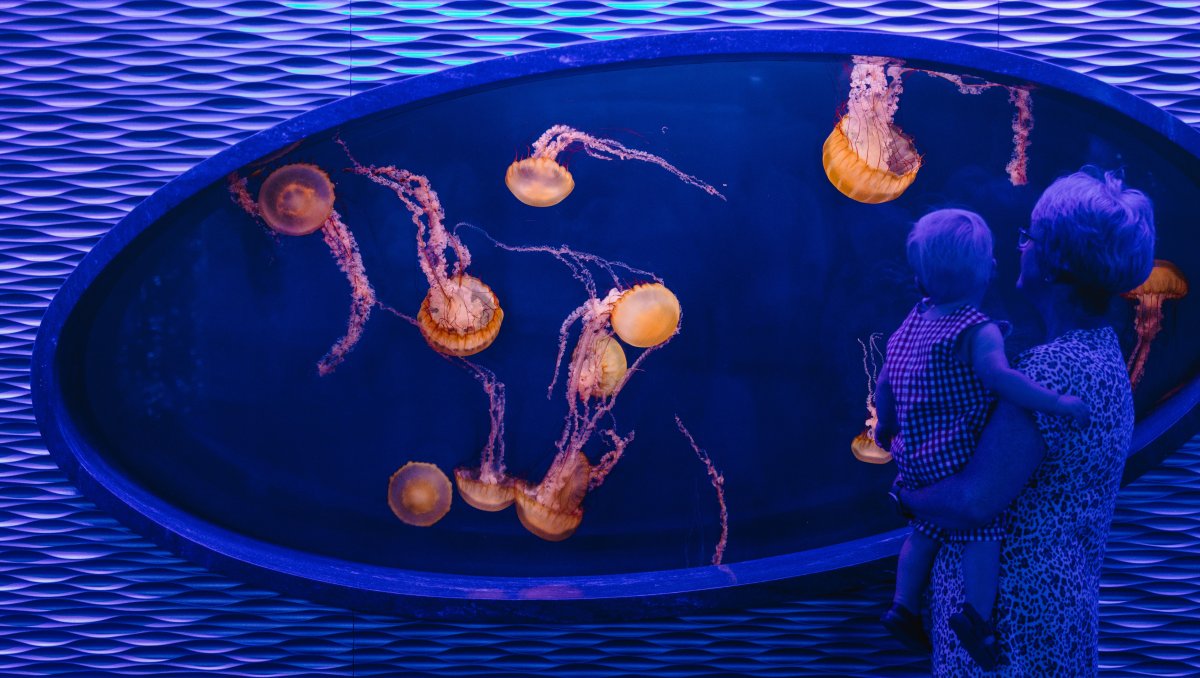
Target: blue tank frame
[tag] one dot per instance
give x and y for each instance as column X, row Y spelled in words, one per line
column 588, row 598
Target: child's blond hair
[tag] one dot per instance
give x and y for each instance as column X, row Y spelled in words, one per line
column 951, row 252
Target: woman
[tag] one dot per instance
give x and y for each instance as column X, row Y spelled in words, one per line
column 1089, row 238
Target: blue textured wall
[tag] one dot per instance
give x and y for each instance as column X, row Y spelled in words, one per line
column 101, row 101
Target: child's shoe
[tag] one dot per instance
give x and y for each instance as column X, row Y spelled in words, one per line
column 977, row 636
column 906, row 626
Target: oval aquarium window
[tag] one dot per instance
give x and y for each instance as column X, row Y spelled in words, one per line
column 583, row 332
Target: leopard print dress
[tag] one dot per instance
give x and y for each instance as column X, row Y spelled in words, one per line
column 1046, row 613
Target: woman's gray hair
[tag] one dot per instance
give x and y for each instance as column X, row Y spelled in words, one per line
column 951, row 252
column 1094, row 233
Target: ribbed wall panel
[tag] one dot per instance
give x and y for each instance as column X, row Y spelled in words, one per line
column 102, row 101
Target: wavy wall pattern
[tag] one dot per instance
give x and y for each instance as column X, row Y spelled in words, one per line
column 102, row 101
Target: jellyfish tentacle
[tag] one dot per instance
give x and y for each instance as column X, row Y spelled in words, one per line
column 1165, row 282
column 240, row 194
column 1147, row 324
column 574, row 260
column 607, row 462
column 563, row 332
column 556, row 139
column 1022, row 126
column 718, row 483
column 345, row 252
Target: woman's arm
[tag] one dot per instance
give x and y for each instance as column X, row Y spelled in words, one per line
column 1009, row 451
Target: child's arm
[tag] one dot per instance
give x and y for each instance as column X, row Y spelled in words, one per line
column 989, row 362
column 885, row 411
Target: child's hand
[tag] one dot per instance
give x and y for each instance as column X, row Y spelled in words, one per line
column 1076, row 409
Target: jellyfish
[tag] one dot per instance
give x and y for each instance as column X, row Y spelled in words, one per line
column 1166, row 282
column 602, row 368
column 646, row 315
column 540, row 181
column 460, row 315
column 419, row 493
column 718, row 483
column 595, row 375
column 552, row 510
column 488, row 487
column 863, row 446
column 297, row 200
column 868, row 158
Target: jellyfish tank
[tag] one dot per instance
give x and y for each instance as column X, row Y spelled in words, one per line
column 243, row 367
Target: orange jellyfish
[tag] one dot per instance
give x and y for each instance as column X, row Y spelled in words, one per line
column 540, row 181
column 552, row 510
column 1166, row 282
column 419, row 493
column 297, row 200
column 718, row 483
column 460, row 315
column 488, row 487
column 868, row 158
column 863, row 446
column 601, row 368
column 646, row 315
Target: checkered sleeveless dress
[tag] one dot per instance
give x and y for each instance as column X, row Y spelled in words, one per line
column 941, row 407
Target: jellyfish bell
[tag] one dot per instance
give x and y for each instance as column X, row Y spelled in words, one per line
column 646, row 315
column 601, row 372
column 296, row 199
column 867, row 165
column 548, row 523
column 460, row 317
column 484, row 493
column 539, row 181
column 864, row 448
column 552, row 510
column 419, row 493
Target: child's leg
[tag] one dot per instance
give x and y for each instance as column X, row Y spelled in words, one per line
column 981, row 573
column 912, row 571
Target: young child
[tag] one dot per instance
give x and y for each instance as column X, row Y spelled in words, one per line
column 943, row 369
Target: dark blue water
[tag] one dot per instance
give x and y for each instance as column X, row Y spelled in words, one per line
column 198, row 348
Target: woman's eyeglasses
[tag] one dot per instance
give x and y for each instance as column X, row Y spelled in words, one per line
column 1023, row 238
